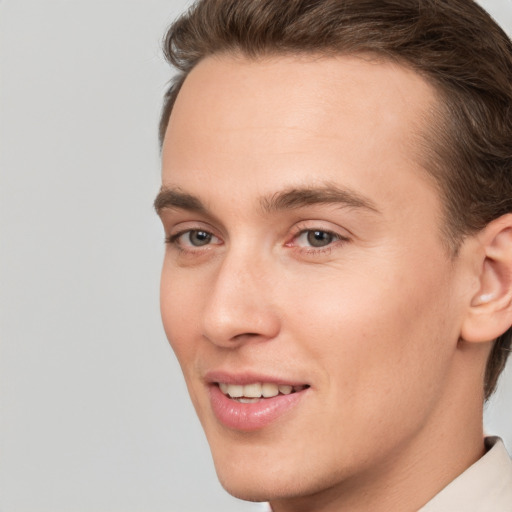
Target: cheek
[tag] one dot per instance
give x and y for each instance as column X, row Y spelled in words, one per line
column 178, row 307
column 382, row 338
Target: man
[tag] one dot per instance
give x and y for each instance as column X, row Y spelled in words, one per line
column 337, row 285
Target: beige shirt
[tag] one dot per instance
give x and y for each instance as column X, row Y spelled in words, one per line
column 486, row 486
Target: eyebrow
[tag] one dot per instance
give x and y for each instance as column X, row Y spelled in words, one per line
column 176, row 199
column 330, row 194
column 288, row 199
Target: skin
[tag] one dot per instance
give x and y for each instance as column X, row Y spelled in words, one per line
column 371, row 321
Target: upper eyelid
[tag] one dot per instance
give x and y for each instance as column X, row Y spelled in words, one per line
column 192, row 225
column 319, row 225
column 328, row 231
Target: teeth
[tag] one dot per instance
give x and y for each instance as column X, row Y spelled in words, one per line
column 235, row 390
column 252, row 391
column 269, row 390
column 256, row 390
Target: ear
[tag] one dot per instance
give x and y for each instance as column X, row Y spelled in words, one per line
column 490, row 311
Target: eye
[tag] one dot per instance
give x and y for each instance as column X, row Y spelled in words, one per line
column 316, row 238
column 193, row 238
column 319, row 238
column 198, row 238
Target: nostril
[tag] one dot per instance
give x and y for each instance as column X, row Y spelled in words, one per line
column 246, row 334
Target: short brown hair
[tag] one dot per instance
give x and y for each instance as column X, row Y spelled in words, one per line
column 454, row 44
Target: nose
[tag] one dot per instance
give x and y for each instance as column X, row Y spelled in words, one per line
column 239, row 307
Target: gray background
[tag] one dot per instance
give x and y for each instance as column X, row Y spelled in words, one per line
column 94, row 415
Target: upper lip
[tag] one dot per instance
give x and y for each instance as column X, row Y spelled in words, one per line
column 216, row 376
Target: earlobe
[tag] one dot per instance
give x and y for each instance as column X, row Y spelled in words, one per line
column 490, row 310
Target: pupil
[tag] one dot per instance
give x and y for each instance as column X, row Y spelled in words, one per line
column 319, row 238
column 198, row 238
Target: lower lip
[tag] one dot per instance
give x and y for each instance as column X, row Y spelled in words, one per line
column 254, row 415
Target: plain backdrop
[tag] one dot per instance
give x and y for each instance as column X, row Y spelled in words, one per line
column 94, row 416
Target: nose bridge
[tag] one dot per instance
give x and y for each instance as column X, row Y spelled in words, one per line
column 240, row 303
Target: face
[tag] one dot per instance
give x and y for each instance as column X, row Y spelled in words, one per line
column 306, row 289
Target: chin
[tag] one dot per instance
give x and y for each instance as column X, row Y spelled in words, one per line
column 246, row 492
column 247, row 488
column 248, row 477
column 258, row 475
column 274, row 488
column 253, row 474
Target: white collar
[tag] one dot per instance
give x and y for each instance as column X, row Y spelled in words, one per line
column 486, row 486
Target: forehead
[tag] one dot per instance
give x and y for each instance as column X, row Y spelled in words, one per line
column 263, row 122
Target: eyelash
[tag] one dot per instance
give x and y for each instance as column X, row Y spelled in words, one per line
column 308, row 250
column 173, row 240
column 337, row 240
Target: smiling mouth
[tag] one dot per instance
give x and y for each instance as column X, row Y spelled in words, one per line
column 257, row 391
